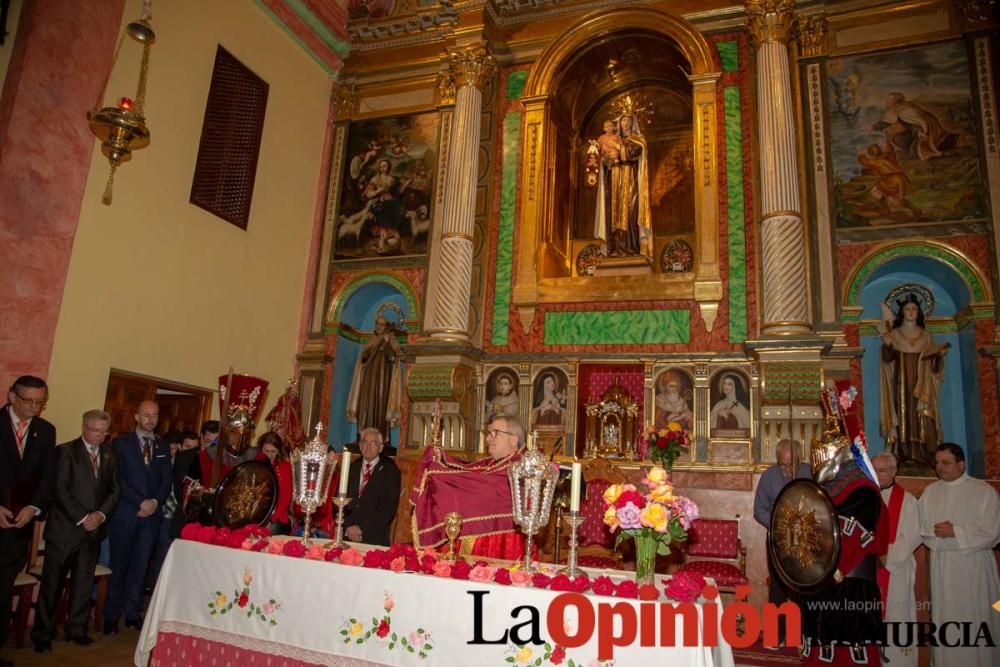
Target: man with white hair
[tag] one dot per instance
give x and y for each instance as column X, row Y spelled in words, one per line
column 897, row 572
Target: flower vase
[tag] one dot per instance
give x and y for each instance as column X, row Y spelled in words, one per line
column 645, row 560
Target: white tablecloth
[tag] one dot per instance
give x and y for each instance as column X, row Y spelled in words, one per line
column 328, row 613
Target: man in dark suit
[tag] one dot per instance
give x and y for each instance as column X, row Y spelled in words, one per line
column 86, row 492
column 373, row 486
column 27, row 450
column 144, row 477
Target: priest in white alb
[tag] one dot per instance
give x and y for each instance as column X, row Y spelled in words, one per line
column 960, row 523
column 898, row 572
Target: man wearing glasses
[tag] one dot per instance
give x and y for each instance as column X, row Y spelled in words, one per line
column 479, row 491
column 27, row 453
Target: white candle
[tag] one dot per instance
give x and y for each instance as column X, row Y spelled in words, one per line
column 345, row 467
column 574, row 488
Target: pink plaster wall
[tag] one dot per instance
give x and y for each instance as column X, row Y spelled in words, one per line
column 62, row 54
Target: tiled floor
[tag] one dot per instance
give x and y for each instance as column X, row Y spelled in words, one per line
column 114, row 651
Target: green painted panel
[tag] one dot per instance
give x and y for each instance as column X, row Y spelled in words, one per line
column 735, row 221
column 729, row 54
column 617, row 327
column 505, row 234
column 976, row 287
column 515, row 83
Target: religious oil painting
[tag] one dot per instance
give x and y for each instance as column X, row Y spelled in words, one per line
column 501, row 394
column 386, row 187
column 729, row 396
column 903, row 138
column 548, row 400
column 674, row 398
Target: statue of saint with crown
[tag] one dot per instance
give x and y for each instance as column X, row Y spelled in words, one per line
column 911, row 371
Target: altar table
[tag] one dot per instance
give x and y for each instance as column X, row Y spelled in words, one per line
column 221, row 606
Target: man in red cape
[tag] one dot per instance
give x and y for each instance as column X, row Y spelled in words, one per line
column 479, row 491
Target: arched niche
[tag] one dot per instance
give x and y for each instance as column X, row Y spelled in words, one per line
column 352, row 318
column 960, row 295
column 569, row 92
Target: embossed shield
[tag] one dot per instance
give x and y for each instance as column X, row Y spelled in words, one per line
column 804, row 540
column 247, row 494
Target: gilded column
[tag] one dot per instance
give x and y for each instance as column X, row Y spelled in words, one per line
column 450, row 278
column 783, row 246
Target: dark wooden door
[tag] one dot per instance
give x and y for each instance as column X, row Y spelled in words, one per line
column 182, row 407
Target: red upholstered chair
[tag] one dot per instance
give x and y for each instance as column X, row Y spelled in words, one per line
column 596, row 543
column 714, row 549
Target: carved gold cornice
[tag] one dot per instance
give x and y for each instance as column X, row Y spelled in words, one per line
column 471, row 65
column 343, row 96
column 811, row 34
column 770, row 20
column 446, row 87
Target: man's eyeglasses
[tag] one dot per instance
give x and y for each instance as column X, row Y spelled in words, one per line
column 33, row 402
column 492, row 432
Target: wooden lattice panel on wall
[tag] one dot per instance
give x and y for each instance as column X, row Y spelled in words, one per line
column 230, row 141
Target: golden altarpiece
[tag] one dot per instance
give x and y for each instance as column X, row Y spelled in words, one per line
column 550, row 199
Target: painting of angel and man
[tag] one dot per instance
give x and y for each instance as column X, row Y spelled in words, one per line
column 903, row 137
column 386, row 187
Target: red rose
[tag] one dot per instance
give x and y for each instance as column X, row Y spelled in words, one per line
column 294, row 548
column 190, row 531
column 395, row 551
column 603, row 585
column 633, row 497
column 259, row 545
column 236, row 538
column 560, row 582
column 411, row 563
column 540, row 580
column 558, row 655
column 375, row 558
column 460, row 569
column 409, row 551
column 661, row 443
column 671, row 435
column 206, row 534
column 333, row 554
column 383, row 628
column 221, row 537
column 244, row 598
column 648, row 592
column 502, row 576
column 581, row 584
column 427, row 564
column 627, row 589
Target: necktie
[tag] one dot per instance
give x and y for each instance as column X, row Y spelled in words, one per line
column 20, row 434
column 95, row 461
column 147, row 447
column 366, row 474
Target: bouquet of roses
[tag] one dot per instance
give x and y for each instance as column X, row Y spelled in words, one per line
column 663, row 446
column 657, row 515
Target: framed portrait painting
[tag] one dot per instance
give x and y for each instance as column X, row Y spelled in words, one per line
column 729, row 396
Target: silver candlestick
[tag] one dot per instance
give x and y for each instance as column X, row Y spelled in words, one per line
column 532, row 485
column 574, row 520
column 341, row 502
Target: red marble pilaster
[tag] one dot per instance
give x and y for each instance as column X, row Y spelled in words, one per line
column 61, row 57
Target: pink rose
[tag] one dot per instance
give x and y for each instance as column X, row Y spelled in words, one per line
column 442, row 568
column 315, row 552
column 628, row 516
column 351, row 557
column 520, row 578
column 388, row 603
column 275, row 546
column 248, row 543
column 482, row 574
column 397, row 564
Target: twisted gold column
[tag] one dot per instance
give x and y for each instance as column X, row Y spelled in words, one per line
column 785, row 297
column 449, row 281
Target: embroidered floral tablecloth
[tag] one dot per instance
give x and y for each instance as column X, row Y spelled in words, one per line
column 215, row 605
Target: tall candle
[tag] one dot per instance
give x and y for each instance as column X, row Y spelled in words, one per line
column 345, row 467
column 574, row 487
